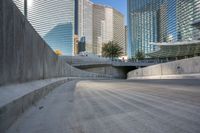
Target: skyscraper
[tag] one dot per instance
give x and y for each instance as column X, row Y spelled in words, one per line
column 119, row 29
column 62, row 22
column 126, row 40
column 108, row 26
column 85, row 23
column 160, row 21
column 99, row 28
column 54, row 21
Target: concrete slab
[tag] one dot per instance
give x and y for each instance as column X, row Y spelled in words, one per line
column 15, row 99
column 142, row 106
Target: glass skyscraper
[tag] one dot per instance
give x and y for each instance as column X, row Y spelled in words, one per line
column 54, row 21
column 62, row 23
column 85, row 23
column 157, row 21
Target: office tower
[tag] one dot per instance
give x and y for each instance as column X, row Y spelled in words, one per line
column 126, row 40
column 108, row 25
column 119, row 29
column 160, row 21
column 54, row 21
column 85, row 23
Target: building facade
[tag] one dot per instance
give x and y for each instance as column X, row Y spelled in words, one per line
column 85, row 23
column 108, row 26
column 126, row 40
column 54, row 21
column 119, row 30
column 99, row 28
column 157, row 21
column 61, row 24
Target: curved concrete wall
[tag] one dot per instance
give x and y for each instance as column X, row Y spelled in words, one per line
column 181, row 67
column 24, row 56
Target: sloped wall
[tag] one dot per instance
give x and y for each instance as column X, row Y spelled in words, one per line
column 24, row 56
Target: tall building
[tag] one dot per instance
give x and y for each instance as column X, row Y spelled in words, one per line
column 62, row 23
column 126, row 40
column 108, row 25
column 157, row 21
column 54, row 21
column 119, row 30
column 99, row 28
column 85, row 23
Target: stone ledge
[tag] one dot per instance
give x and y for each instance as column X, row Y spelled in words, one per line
column 16, row 98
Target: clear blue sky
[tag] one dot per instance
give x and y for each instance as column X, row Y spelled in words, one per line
column 120, row 5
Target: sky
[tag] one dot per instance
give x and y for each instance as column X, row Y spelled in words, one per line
column 120, row 5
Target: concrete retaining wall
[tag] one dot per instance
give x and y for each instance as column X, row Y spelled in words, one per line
column 24, row 56
column 17, row 98
column 181, row 67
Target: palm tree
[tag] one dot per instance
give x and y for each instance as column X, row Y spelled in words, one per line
column 111, row 50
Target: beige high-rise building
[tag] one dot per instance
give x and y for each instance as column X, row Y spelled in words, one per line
column 119, row 29
column 85, row 23
column 108, row 25
column 126, row 40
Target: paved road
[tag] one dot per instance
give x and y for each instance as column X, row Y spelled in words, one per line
column 159, row 106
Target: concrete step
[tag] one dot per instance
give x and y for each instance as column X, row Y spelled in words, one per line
column 15, row 99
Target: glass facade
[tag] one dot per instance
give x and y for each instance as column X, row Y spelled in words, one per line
column 53, row 20
column 85, row 25
column 157, row 21
column 58, row 22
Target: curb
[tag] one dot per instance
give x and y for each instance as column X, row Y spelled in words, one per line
column 11, row 111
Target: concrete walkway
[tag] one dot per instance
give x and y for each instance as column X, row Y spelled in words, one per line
column 143, row 106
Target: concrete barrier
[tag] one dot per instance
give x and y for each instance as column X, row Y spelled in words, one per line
column 186, row 68
column 24, row 55
column 15, row 99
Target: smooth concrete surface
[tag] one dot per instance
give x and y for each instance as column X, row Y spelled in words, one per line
column 24, row 55
column 180, row 68
column 117, row 106
column 12, row 92
column 15, row 99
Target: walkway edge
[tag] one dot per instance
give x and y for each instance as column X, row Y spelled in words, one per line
column 15, row 99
